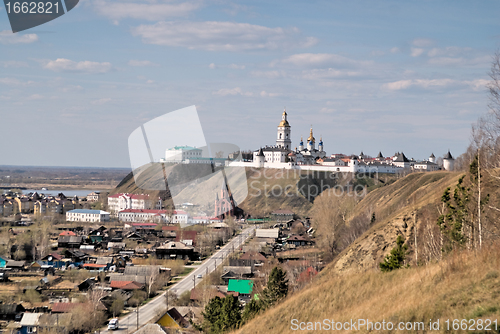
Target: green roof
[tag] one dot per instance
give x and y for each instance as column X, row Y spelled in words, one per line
column 185, row 148
column 243, row 286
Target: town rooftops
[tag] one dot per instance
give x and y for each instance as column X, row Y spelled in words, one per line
column 175, row 212
column 88, row 211
column 94, row 265
column 283, row 212
column 30, row 319
column 63, row 307
column 64, row 233
column 132, row 196
column 428, row 163
column 126, row 285
column 401, row 158
column 242, row 286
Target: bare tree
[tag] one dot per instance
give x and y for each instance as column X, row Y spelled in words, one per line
column 330, row 217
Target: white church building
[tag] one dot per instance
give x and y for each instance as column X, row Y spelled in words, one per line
column 309, row 157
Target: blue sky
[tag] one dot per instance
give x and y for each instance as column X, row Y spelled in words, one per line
column 368, row 75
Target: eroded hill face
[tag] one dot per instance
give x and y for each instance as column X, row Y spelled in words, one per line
column 268, row 189
column 413, row 201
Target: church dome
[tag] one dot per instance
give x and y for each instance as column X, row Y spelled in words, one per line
column 311, row 137
column 284, row 121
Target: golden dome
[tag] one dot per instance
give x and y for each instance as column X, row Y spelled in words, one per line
column 284, row 121
column 311, row 137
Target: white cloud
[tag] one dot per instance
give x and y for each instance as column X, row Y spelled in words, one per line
column 8, row 37
column 35, row 97
column 327, row 110
column 151, row 10
column 141, row 63
column 268, row 74
column 221, row 36
column 15, row 82
column 323, row 60
column 397, row 85
column 236, row 67
column 14, row 63
column 422, row 42
column 460, row 61
column 316, row 74
column 449, row 51
column 101, row 101
column 231, row 91
column 395, row 50
column 415, row 52
column 476, row 84
column 266, row 94
column 231, row 66
column 66, row 65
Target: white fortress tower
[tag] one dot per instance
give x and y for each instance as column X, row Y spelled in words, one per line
column 432, row 158
column 448, row 161
column 283, row 139
column 259, row 159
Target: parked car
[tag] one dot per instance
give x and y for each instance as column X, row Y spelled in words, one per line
column 113, row 324
column 199, row 276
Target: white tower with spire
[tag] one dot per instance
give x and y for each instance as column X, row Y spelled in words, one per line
column 448, row 161
column 283, row 139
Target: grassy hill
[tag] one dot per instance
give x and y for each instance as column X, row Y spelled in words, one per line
column 463, row 285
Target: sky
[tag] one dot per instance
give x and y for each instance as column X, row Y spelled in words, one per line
column 367, row 75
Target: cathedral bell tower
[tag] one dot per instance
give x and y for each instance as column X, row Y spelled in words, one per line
column 283, row 139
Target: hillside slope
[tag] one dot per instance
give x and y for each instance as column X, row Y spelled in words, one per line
column 465, row 285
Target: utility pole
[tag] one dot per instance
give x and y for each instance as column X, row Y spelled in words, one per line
column 479, row 198
column 415, row 230
column 194, row 281
column 137, row 311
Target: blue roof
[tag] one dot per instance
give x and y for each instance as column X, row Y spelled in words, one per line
column 95, row 212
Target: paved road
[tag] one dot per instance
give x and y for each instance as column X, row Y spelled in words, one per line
column 128, row 323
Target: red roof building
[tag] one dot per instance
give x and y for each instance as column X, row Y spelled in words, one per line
column 126, row 285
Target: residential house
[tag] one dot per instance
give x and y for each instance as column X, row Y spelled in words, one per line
column 94, row 196
column 69, row 241
column 173, row 319
column 186, row 237
column 85, row 215
column 242, row 286
column 298, row 240
column 126, row 285
column 29, row 323
column 175, row 250
column 282, row 215
column 10, row 311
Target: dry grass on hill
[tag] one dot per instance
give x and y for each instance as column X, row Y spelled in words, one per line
column 465, row 285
